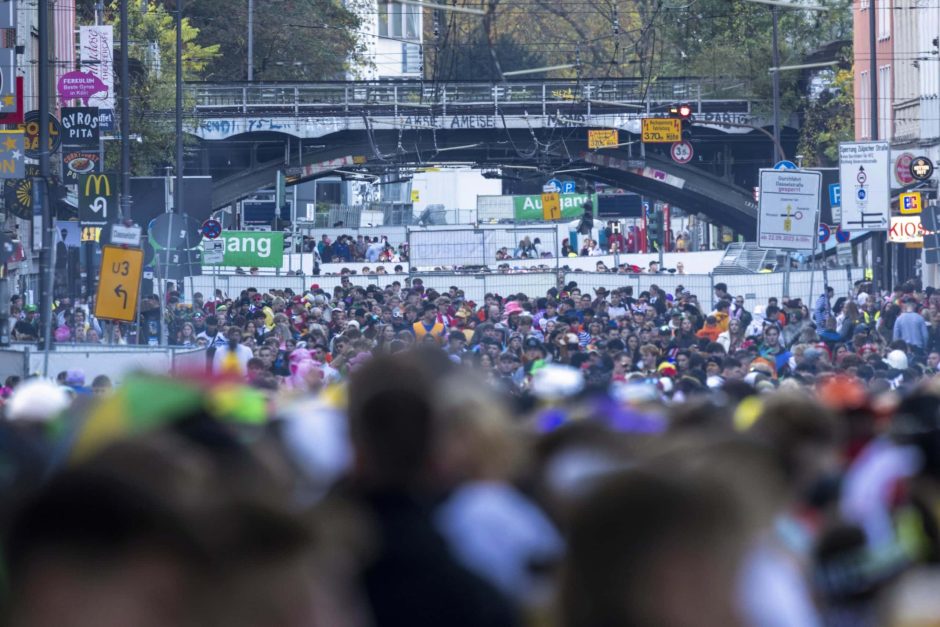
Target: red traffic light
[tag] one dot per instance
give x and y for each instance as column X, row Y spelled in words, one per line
column 682, row 111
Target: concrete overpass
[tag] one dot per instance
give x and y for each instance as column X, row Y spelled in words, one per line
column 249, row 132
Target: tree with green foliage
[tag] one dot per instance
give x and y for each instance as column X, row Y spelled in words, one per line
column 294, row 40
column 152, row 51
column 828, row 120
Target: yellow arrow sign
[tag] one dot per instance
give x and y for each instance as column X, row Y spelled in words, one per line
column 119, row 283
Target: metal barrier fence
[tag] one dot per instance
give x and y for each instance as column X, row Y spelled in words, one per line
column 318, row 215
column 494, row 208
column 536, row 97
column 114, row 361
column 448, row 248
column 755, row 288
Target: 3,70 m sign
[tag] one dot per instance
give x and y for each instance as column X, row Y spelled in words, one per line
column 661, row 130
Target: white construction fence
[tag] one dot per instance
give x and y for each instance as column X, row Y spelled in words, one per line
column 755, row 288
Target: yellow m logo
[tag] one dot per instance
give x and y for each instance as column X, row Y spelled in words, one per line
column 99, row 180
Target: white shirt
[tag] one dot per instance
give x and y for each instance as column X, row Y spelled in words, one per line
column 242, row 352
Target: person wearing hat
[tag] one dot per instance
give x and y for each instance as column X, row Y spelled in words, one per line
column 27, row 329
column 508, row 369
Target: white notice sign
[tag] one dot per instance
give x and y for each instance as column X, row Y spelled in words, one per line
column 125, row 235
column 866, row 185
column 213, row 252
column 788, row 213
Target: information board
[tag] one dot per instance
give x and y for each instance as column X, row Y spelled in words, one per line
column 788, row 213
column 864, row 177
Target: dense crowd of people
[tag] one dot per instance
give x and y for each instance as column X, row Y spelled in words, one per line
column 402, row 456
column 361, row 248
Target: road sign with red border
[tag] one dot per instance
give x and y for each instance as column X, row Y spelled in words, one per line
column 681, row 152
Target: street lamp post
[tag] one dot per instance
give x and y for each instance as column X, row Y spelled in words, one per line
column 775, row 70
column 778, row 150
column 251, row 40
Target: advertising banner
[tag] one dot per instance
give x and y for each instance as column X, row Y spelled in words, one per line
column 96, row 46
column 529, row 208
column 252, row 249
column 7, row 14
column 8, row 80
column 12, row 155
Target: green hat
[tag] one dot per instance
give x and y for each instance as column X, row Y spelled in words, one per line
column 31, row 308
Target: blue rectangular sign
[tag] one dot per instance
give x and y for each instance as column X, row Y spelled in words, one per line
column 835, row 195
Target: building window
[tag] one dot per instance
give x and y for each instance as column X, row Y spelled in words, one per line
column 862, row 5
column 884, row 19
column 884, row 102
column 864, row 106
column 401, row 21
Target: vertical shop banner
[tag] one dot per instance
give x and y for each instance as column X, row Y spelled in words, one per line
column 7, row 14
column 7, row 80
column 96, row 46
column 12, row 155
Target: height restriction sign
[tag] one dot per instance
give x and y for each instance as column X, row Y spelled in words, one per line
column 119, row 283
column 661, row 130
column 605, row 138
column 788, row 214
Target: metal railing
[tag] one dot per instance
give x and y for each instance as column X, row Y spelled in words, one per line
column 537, row 97
column 755, row 289
column 449, row 248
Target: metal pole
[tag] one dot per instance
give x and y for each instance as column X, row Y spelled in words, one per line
column 47, row 255
column 178, row 188
column 879, row 240
column 125, row 116
column 812, row 271
column 661, row 218
column 251, row 40
column 778, row 151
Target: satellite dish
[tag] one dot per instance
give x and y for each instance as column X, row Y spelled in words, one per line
column 172, row 231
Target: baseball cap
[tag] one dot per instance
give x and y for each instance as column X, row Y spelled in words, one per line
column 532, row 342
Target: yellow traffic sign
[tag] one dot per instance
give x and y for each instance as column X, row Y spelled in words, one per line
column 119, row 283
column 604, row 138
column 909, row 202
column 662, row 130
column 551, row 206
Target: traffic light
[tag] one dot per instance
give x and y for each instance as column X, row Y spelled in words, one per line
column 654, row 229
column 682, row 111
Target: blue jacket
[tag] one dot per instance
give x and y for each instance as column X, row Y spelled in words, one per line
column 912, row 328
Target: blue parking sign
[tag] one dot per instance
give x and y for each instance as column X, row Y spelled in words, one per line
column 835, row 195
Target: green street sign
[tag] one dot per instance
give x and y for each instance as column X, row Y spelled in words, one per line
column 529, row 208
column 253, row 249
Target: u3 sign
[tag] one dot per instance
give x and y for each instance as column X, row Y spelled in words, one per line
column 681, row 152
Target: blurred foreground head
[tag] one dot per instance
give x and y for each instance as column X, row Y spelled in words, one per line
column 159, row 530
column 405, row 412
column 646, row 550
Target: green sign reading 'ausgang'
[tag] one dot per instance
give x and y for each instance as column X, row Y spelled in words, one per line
column 529, row 208
column 253, row 249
